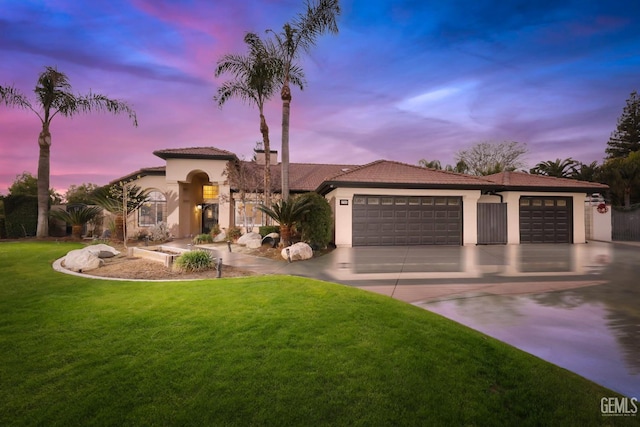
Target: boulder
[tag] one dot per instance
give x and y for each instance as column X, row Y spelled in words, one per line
column 245, row 238
column 102, row 250
column 81, row 260
column 297, row 252
column 273, row 235
column 254, row 243
column 220, row 237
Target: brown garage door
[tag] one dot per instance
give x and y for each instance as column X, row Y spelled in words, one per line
column 404, row 220
column 546, row 220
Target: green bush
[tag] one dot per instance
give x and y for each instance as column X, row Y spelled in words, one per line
column 194, row 261
column 268, row 229
column 202, row 238
column 315, row 225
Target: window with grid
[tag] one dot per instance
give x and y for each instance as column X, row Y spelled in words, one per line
column 154, row 210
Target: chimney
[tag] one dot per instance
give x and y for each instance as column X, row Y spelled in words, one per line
column 260, row 156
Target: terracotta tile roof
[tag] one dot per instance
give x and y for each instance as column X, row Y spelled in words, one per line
column 525, row 180
column 303, row 177
column 195, row 153
column 396, row 173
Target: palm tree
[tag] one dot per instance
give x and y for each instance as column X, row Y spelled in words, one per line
column 587, row 172
column 556, row 168
column 53, row 97
column 298, row 35
column 287, row 213
column 77, row 218
column 256, row 77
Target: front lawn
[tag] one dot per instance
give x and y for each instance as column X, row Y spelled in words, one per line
column 271, row 350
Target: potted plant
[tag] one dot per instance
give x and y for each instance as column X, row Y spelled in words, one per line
column 77, row 217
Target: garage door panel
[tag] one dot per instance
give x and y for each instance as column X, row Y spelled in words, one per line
column 404, row 220
column 546, row 219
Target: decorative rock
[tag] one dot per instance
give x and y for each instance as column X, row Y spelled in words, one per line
column 245, row 238
column 81, row 260
column 102, row 251
column 254, row 243
column 220, row 237
column 273, row 235
column 298, row 251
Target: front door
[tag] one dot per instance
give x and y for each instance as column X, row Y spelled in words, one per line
column 209, row 217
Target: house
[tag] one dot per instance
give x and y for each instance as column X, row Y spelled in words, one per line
column 379, row 203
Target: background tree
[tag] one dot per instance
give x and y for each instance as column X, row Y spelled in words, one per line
column 591, row 172
column 297, row 36
column 246, row 179
column 53, row 97
column 81, row 194
column 626, row 138
column 623, row 177
column 487, row 158
column 556, row 168
column 27, row 184
column 255, row 80
column 433, row 164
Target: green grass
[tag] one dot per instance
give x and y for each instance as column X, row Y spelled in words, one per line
column 255, row 351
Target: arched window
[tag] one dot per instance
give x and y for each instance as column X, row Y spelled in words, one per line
column 154, row 210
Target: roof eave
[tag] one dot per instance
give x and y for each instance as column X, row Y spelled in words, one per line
column 167, row 156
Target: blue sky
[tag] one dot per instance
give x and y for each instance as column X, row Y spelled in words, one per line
column 403, row 80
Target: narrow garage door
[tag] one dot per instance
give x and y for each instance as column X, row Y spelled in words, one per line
column 546, row 220
column 400, row 220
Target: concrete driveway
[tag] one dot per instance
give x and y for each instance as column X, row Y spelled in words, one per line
column 417, row 274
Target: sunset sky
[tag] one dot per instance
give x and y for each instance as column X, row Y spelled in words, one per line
column 403, row 80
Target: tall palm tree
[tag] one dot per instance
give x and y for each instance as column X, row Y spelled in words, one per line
column 556, row 168
column 300, row 34
column 255, row 80
column 53, row 97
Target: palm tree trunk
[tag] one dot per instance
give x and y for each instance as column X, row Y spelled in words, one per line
column 286, row 109
column 285, row 235
column 264, row 129
column 44, row 160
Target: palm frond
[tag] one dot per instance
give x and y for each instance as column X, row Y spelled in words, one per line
column 12, row 97
column 77, row 216
column 98, row 102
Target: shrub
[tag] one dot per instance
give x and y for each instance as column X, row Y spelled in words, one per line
column 159, row 232
column 234, row 233
column 21, row 215
column 315, row 225
column 268, row 229
column 202, row 238
column 194, row 261
column 215, row 230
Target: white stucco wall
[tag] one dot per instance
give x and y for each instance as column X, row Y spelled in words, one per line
column 600, row 224
column 343, row 215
